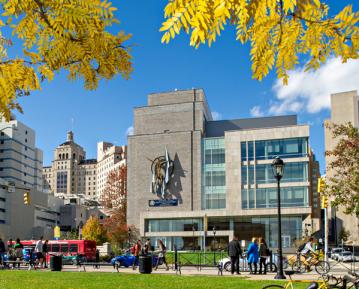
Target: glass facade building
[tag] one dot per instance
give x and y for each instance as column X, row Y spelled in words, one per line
column 213, row 174
column 256, row 171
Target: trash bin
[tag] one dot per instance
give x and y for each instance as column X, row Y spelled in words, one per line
column 145, row 264
column 55, row 263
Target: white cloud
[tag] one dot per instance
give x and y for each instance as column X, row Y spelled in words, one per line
column 129, row 130
column 256, row 111
column 310, row 91
column 216, row 115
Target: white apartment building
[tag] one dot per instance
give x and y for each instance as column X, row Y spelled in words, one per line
column 109, row 158
column 20, row 160
column 72, row 174
column 21, row 172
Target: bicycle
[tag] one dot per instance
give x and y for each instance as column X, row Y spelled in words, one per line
column 326, row 282
column 301, row 265
column 347, row 282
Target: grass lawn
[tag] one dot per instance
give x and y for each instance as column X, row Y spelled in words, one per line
column 86, row 280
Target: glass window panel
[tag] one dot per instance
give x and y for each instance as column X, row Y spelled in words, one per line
column 251, row 198
column 218, row 178
column 55, row 248
column 260, row 150
column 74, row 248
column 244, row 151
column 218, row 156
column 64, row 248
column 244, row 199
column 250, row 151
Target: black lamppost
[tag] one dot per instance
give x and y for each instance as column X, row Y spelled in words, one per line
column 214, row 244
column 193, row 230
column 278, row 169
column 214, row 237
column 129, row 238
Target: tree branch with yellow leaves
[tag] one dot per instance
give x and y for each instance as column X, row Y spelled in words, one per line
column 58, row 35
column 278, row 30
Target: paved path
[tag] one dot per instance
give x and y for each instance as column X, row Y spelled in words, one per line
column 337, row 269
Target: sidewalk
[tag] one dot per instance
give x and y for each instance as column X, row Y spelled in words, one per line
column 193, row 272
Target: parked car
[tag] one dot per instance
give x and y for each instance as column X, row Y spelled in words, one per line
column 243, row 265
column 127, row 260
column 335, row 253
column 346, row 256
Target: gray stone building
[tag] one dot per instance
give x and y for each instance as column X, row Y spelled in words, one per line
column 190, row 176
column 344, row 108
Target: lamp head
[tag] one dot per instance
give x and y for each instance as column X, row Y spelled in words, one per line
column 278, row 168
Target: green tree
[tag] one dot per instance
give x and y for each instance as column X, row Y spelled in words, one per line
column 56, row 35
column 343, row 184
column 278, row 30
column 93, row 230
column 344, row 235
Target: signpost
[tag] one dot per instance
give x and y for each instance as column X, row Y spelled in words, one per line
column 163, row 203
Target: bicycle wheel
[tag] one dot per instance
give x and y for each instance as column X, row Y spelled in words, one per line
column 273, row 287
column 298, row 267
column 272, row 268
column 322, row 267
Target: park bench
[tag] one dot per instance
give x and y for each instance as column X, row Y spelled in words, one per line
column 14, row 263
column 96, row 265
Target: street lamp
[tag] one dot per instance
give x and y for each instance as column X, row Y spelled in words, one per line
column 129, row 237
column 193, row 230
column 214, row 237
column 278, row 169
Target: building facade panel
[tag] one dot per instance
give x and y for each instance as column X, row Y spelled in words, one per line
column 224, row 177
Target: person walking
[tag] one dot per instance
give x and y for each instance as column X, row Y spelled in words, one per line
column 18, row 247
column 136, row 253
column 45, row 250
column 39, row 249
column 263, row 255
column 252, row 255
column 147, row 247
column 2, row 251
column 162, row 254
column 234, row 251
column 97, row 258
column 11, row 251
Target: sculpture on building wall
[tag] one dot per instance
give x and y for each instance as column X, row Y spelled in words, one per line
column 162, row 169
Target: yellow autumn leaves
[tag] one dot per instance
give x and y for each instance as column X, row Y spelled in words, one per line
column 278, row 30
column 58, row 35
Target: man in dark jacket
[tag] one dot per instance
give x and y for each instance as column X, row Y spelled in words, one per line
column 2, row 250
column 234, row 251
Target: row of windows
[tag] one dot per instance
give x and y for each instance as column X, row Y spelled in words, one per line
column 214, row 175
column 269, row 149
column 263, row 174
column 173, row 225
column 267, row 197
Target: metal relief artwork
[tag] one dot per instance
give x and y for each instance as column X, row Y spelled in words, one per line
column 162, row 169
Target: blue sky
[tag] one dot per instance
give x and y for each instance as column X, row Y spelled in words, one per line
column 223, row 71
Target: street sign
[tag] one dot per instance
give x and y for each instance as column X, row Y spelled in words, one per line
column 163, row 203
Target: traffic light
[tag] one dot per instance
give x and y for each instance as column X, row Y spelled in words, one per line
column 321, row 185
column 324, row 202
column 27, row 198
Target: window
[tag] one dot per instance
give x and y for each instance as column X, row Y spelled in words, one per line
column 55, row 248
column 26, row 140
column 64, row 248
column 2, row 142
column 74, row 248
column 25, row 131
column 2, row 133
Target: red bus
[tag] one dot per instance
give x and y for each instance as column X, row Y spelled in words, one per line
column 84, row 248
